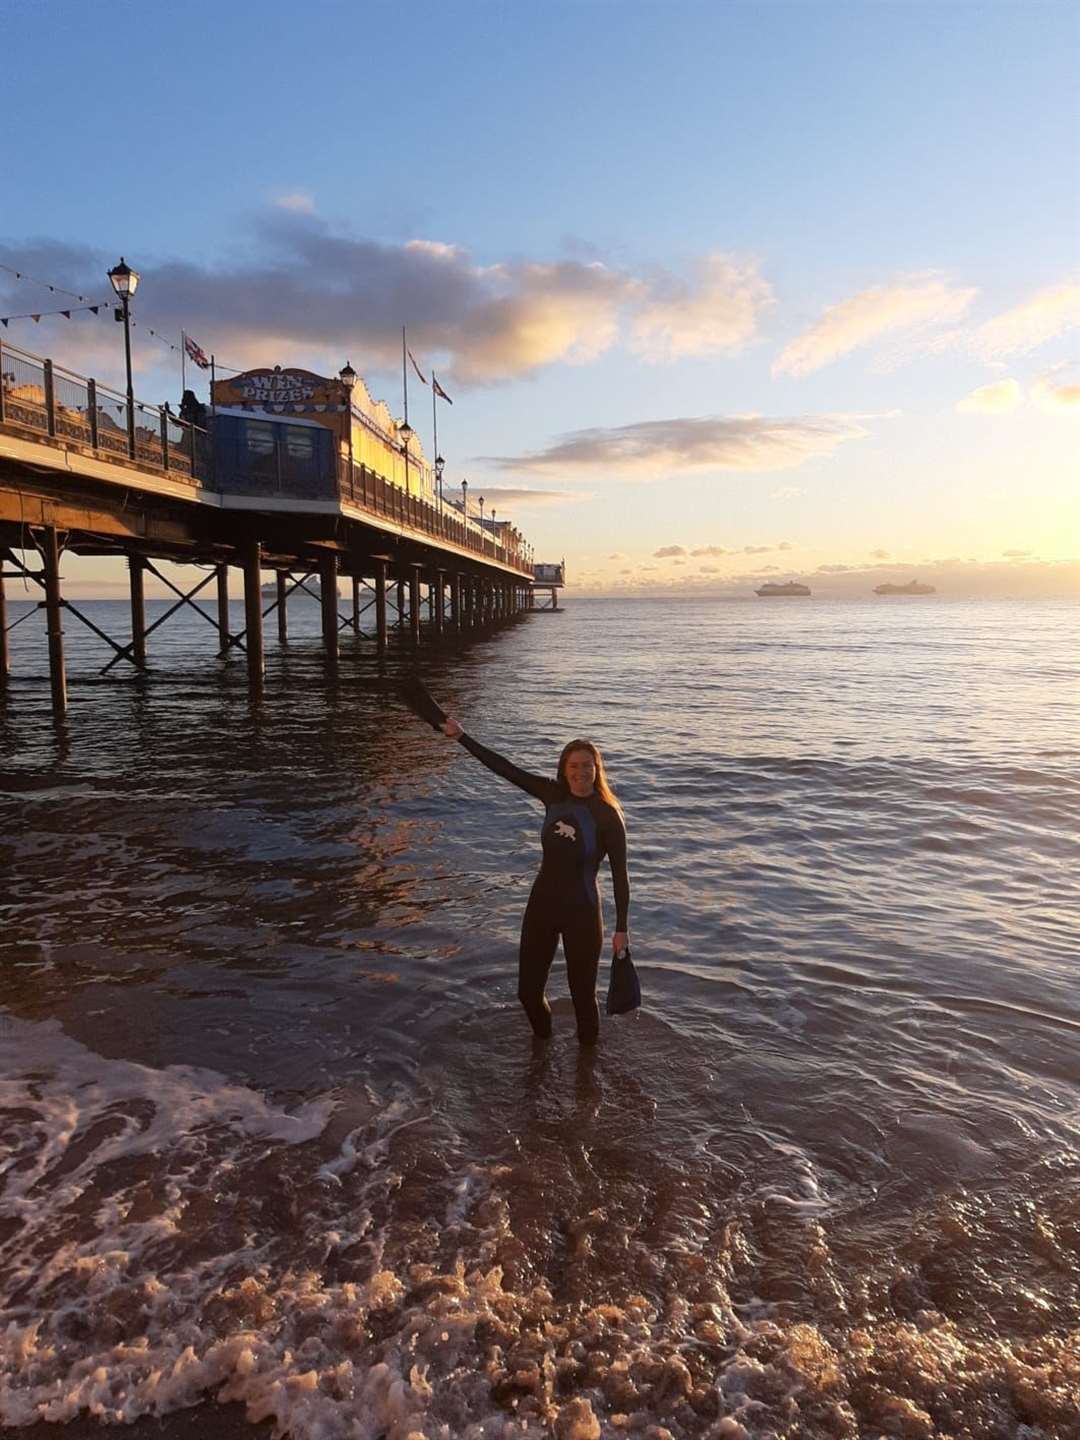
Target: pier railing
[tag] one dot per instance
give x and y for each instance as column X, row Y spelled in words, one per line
column 50, row 401
column 369, row 490
column 42, row 397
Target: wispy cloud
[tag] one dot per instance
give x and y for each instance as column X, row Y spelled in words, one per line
column 687, row 445
column 1049, row 313
column 719, row 312
column 297, row 200
column 1053, row 392
column 996, row 399
column 668, row 552
column 523, row 498
column 919, row 302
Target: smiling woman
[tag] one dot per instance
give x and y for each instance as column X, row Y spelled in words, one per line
column 583, row 822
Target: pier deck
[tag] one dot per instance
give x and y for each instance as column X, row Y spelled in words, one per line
column 75, row 476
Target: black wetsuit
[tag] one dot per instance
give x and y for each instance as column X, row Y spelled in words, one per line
column 565, row 898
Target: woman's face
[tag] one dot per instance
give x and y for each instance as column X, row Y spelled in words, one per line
column 580, row 773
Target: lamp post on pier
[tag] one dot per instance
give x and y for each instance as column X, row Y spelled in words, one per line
column 405, row 430
column 483, row 536
column 125, row 282
column 439, row 464
column 494, row 535
column 347, row 376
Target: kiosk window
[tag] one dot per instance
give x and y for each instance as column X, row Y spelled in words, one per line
column 260, row 437
column 299, row 443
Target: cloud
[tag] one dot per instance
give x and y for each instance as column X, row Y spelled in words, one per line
column 879, row 554
column 1055, row 395
column 712, row 550
column 307, row 292
column 996, row 399
column 719, row 313
column 618, row 555
column 787, row 492
column 921, row 302
column 1017, row 554
column 505, row 495
column 298, row 200
column 1049, row 313
column 667, row 551
column 650, row 449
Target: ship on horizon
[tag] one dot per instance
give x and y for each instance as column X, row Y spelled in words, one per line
column 913, row 587
column 789, row 587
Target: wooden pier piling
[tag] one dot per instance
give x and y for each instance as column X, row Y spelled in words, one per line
column 282, row 607
column 54, row 620
column 222, row 578
column 136, row 567
column 437, row 611
column 414, row 604
column 253, row 632
column 328, row 583
column 380, row 606
column 356, row 604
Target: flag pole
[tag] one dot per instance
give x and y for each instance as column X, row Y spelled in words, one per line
column 183, row 362
column 434, row 423
column 404, row 375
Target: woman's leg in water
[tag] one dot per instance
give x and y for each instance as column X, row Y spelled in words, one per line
column 583, row 939
column 539, row 937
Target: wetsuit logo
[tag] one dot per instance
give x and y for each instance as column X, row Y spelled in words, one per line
column 566, row 831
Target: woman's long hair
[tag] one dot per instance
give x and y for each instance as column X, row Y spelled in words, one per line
column 603, row 789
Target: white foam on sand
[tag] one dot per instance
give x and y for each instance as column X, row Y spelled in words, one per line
column 167, row 1237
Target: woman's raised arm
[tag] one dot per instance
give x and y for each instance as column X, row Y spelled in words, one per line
column 538, row 786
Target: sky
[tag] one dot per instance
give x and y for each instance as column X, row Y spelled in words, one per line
column 721, row 292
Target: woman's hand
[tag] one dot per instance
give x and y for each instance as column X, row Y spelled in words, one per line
column 620, row 941
column 452, row 729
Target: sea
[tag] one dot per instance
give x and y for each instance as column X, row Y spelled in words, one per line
column 279, row 1154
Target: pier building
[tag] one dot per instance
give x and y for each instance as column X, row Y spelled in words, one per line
column 301, row 475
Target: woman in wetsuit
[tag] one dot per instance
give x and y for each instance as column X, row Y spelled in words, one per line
column 583, row 823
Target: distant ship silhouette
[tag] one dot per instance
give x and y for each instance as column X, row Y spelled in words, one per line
column 790, row 587
column 310, row 591
column 913, row 587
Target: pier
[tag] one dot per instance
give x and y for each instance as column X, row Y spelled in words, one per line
column 322, row 483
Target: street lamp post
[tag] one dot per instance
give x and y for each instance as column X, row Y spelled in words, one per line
column 405, row 430
column 125, row 282
column 483, row 536
column 494, row 535
column 347, row 376
column 439, row 465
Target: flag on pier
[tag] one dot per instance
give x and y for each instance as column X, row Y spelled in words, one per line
column 197, row 353
column 416, row 367
column 439, row 390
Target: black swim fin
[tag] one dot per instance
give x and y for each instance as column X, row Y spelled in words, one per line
column 415, row 694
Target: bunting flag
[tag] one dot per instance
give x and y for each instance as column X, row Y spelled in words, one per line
column 439, row 390
column 416, row 367
column 196, row 353
column 45, row 314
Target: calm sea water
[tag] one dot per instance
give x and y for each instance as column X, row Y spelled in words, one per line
column 273, row 1129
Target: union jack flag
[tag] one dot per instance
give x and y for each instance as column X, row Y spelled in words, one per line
column 439, row 390
column 196, row 353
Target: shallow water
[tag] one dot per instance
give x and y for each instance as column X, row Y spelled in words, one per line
column 274, row 1130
